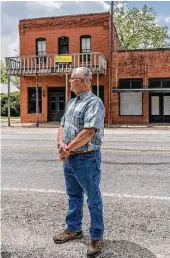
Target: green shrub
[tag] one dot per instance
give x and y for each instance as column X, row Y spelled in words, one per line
column 14, row 104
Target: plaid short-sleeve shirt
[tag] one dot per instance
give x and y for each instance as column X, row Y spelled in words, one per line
column 86, row 110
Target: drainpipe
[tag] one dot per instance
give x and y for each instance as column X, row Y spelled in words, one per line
column 37, row 100
column 9, row 122
column 111, row 66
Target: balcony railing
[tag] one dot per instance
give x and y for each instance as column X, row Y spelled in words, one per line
column 30, row 65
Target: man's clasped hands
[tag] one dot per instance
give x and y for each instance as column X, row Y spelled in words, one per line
column 63, row 151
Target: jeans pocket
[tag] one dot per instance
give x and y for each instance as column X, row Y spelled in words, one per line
column 88, row 156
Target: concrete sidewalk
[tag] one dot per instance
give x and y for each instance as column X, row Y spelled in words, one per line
column 17, row 123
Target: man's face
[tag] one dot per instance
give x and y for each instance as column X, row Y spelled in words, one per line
column 76, row 81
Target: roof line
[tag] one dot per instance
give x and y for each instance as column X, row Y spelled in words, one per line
column 63, row 16
column 143, row 49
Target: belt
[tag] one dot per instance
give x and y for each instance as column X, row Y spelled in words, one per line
column 80, row 152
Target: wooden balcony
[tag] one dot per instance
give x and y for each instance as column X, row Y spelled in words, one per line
column 32, row 65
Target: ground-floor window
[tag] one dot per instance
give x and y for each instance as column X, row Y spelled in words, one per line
column 131, row 103
column 32, row 100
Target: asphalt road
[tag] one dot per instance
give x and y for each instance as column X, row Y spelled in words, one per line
column 135, row 188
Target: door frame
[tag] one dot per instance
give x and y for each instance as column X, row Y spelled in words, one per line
column 56, row 92
column 161, row 118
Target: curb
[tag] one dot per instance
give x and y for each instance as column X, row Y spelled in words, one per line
column 56, row 125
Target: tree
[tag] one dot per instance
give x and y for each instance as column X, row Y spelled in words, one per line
column 14, row 104
column 138, row 29
column 4, row 77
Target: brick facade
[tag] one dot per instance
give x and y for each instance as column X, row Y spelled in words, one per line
column 144, row 64
column 126, row 64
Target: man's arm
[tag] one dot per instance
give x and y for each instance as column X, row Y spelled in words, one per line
column 81, row 139
column 61, row 145
column 60, row 134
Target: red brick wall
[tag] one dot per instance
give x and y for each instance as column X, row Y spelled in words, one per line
column 143, row 64
column 96, row 25
column 50, row 81
column 126, row 64
column 71, row 26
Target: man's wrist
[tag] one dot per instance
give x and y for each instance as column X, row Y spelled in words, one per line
column 67, row 148
column 58, row 145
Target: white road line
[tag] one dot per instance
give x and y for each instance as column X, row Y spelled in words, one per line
column 105, row 194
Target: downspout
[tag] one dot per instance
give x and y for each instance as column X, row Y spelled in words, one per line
column 111, row 65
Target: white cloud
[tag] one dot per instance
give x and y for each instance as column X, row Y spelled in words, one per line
column 50, row 4
column 13, row 11
column 167, row 20
column 9, row 46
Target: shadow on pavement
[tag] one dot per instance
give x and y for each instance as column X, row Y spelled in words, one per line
column 122, row 249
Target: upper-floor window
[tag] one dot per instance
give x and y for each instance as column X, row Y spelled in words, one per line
column 41, row 50
column 63, row 45
column 85, row 47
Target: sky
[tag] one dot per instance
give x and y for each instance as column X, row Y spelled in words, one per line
column 13, row 11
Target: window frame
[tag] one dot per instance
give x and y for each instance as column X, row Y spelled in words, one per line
column 161, row 80
column 42, row 58
column 83, row 58
column 82, row 37
column 59, row 45
column 131, row 81
column 131, row 115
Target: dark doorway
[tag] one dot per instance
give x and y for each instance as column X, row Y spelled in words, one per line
column 56, row 103
column 159, row 107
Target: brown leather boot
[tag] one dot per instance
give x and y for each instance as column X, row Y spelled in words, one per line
column 66, row 235
column 95, row 248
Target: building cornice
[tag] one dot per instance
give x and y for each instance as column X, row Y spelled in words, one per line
column 69, row 21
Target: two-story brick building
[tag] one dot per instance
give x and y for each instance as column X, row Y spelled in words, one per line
column 141, row 78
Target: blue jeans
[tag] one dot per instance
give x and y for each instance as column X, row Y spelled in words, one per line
column 82, row 175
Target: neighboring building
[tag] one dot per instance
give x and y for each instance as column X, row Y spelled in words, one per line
column 141, row 78
column 4, row 88
column 142, row 85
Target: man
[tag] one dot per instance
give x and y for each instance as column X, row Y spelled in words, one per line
column 79, row 141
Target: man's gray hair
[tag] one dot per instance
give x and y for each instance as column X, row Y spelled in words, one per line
column 85, row 72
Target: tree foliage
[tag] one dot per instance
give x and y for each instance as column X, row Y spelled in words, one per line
column 138, row 29
column 4, row 77
column 14, row 104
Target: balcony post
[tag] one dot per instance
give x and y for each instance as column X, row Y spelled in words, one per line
column 37, row 100
column 66, row 90
column 9, row 122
